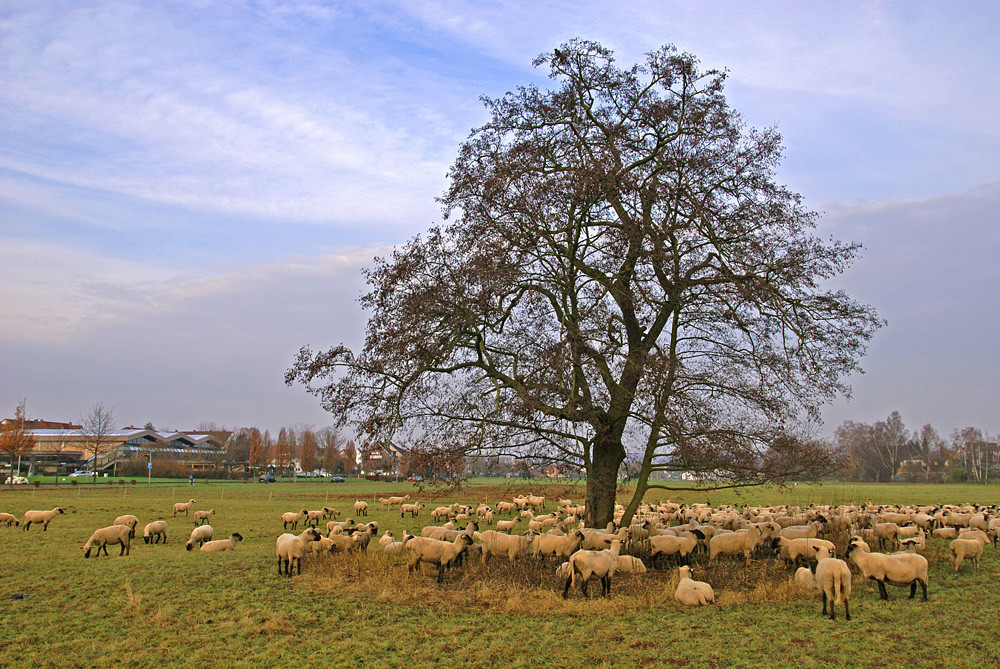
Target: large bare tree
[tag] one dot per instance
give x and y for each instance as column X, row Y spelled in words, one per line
column 97, row 428
column 622, row 274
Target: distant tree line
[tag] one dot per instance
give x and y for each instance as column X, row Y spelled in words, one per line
column 322, row 449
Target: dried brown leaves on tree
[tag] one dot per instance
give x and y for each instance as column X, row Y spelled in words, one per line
column 622, row 274
column 15, row 439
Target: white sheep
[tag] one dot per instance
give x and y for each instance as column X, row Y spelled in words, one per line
column 833, row 578
column 734, row 543
column 629, row 564
column 433, row 551
column 8, row 520
column 507, row 525
column 412, row 509
column 330, row 512
column 588, row 564
column 201, row 517
column 397, row 547
column 131, row 521
column 339, row 526
column 290, row 547
column 386, row 538
column 157, row 529
column 804, row 578
column 967, row 549
column 899, row 569
column 292, row 518
column 512, row 545
column 670, row 546
column 42, row 518
column 690, row 592
column 361, row 508
column 199, row 535
column 550, row 545
column 183, row 506
column 313, row 517
column 114, row 534
column 792, row 550
column 222, row 545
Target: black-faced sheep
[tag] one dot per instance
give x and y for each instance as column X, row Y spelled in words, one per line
column 114, row 534
column 967, row 549
column 8, row 520
column 199, row 535
column 512, row 545
column 690, row 592
column 157, row 529
column 290, row 547
column 42, row 518
column 131, row 521
column 292, row 518
column 899, row 569
column 441, row 553
column 222, row 545
column 833, row 578
column 588, row 564
column 183, row 506
column 201, row 517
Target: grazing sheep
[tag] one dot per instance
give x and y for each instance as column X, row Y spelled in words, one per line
column 412, row 509
column 970, row 549
column 945, row 533
column 201, row 517
column 442, row 512
column 512, row 545
column 222, row 545
column 900, row 569
column 9, row 519
column 690, row 592
column 588, row 564
column 292, row 518
column 441, row 553
column 199, row 535
column 183, row 506
column 506, row 507
column 40, row 517
column 131, row 521
column 157, row 528
column 114, row 534
column 833, row 578
column 290, row 547
column 361, row 508
column 550, row 545
column 667, row 545
column 629, row 564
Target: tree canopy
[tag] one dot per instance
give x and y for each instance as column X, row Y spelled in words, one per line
column 619, row 273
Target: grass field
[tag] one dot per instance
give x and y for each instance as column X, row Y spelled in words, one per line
column 164, row 606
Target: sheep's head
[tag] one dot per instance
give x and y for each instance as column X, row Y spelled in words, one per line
column 236, row 536
column 60, row 510
column 313, row 534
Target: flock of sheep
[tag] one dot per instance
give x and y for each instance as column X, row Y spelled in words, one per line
column 664, row 532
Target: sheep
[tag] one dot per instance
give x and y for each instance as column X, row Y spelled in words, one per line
column 396, row 547
column 201, row 517
column 290, row 547
column 347, row 543
column 131, row 521
column 690, row 592
column 971, row 549
column 396, row 501
column 498, row 543
column 9, row 519
column 593, row 564
column 506, row 507
column 550, row 545
column 199, row 535
column 386, row 539
column 900, row 569
column 507, row 525
column 672, row 546
column 157, row 528
column 114, row 534
column 792, row 550
column 324, row 544
column 442, row 512
column 481, row 511
column 40, row 517
column 339, row 526
column 945, row 533
column 292, row 518
column 361, row 508
column 887, row 532
column 741, row 541
column 993, row 531
column 810, row 531
column 362, row 537
column 330, row 512
column 412, row 509
column 804, row 578
column 183, row 506
column 833, row 578
column 629, row 564
column 222, row 545
column 313, row 517
column 913, row 544
column 441, row 553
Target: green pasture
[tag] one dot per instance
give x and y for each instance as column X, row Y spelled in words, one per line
column 162, row 605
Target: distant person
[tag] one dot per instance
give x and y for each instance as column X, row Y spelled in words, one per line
column 190, row 479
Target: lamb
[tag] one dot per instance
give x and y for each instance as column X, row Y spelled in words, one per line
column 199, row 535
column 289, row 548
column 498, row 543
column 157, row 528
column 222, row 545
column 9, row 519
column 201, row 517
column 971, row 549
column 292, row 518
column 593, row 564
column 396, row 501
column 361, row 508
column 900, row 569
column 114, row 534
column 629, row 564
column 690, row 592
column 412, row 509
column 183, row 506
column 131, row 521
column 833, row 578
column 550, row 545
column 40, row 517
column 734, row 543
column 441, row 553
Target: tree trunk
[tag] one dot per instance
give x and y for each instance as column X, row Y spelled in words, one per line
column 602, row 482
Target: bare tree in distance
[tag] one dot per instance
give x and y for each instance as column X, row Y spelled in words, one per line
column 96, row 428
column 15, row 439
column 623, row 275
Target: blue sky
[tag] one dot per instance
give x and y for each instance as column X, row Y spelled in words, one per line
column 189, row 190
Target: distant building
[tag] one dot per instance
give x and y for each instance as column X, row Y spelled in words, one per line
column 385, row 459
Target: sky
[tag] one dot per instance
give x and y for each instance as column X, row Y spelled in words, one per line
column 189, row 191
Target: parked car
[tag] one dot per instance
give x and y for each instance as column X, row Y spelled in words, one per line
column 416, row 479
column 82, row 472
column 336, row 479
column 266, row 478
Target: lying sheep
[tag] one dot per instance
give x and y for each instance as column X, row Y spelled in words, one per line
column 290, row 547
column 690, row 592
column 433, row 551
column 967, row 549
column 833, row 578
column 201, row 517
column 805, row 579
column 361, row 508
column 131, row 521
column 183, row 506
column 114, row 534
column 512, row 545
column 292, row 518
column 222, row 545
column 42, row 518
column 386, row 539
column 157, row 529
column 199, row 535
column 587, row 565
column 8, row 520
column 629, row 564
column 900, row 569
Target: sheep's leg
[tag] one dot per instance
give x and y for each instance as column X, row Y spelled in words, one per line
column 584, row 588
column 824, row 604
column 923, row 585
column 847, row 610
column 882, row 594
column 279, row 565
column 122, row 546
column 913, row 589
column 440, row 573
column 606, row 586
